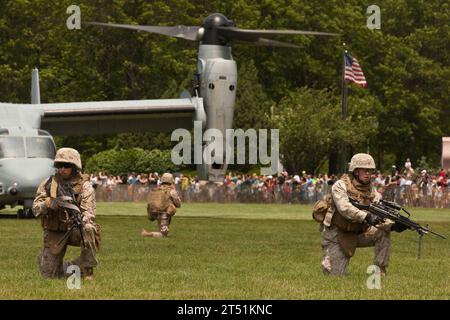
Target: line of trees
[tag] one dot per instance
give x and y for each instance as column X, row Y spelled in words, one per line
column 404, row 112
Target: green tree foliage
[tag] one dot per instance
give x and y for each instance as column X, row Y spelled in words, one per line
column 253, row 104
column 118, row 162
column 313, row 115
column 406, row 64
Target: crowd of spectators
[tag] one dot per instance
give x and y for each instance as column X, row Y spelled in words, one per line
column 407, row 187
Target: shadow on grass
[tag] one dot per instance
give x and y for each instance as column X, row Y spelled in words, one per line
column 13, row 215
column 8, row 216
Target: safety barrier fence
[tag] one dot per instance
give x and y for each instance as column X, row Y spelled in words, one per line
column 410, row 196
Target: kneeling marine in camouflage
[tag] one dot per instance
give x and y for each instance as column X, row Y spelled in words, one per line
column 345, row 227
column 52, row 205
column 162, row 204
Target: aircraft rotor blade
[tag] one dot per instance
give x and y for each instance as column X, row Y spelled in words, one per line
column 252, row 35
column 184, row 32
column 272, row 43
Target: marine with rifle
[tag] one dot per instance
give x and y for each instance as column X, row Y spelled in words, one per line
column 345, row 227
column 66, row 204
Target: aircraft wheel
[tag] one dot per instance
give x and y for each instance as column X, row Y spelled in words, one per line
column 21, row 214
column 25, row 213
column 29, row 213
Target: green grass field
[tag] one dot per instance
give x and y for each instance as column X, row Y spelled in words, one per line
column 217, row 251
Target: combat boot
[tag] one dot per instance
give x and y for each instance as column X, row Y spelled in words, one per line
column 383, row 271
column 145, row 233
column 88, row 273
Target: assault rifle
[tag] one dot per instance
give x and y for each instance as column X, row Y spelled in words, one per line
column 68, row 203
column 390, row 210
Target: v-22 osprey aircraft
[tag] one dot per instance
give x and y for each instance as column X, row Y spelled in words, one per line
column 27, row 148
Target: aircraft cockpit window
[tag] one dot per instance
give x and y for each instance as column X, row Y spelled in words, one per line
column 40, row 147
column 11, row 147
column 43, row 133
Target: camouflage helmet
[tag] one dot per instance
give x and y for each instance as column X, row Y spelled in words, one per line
column 167, row 178
column 68, row 155
column 361, row 160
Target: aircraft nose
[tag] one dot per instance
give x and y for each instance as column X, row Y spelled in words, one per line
column 13, row 191
column 25, row 175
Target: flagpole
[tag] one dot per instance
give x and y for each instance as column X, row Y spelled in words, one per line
column 343, row 147
column 344, row 86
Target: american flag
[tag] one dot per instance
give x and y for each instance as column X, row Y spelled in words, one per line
column 353, row 71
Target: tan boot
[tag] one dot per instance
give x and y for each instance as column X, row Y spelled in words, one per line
column 145, row 233
column 88, row 274
column 157, row 234
column 383, row 271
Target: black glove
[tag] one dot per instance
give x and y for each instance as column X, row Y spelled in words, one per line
column 398, row 227
column 373, row 219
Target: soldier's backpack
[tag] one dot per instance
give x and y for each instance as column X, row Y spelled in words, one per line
column 321, row 207
column 158, row 201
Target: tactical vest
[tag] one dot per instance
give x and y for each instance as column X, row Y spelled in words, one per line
column 339, row 220
column 159, row 201
column 58, row 220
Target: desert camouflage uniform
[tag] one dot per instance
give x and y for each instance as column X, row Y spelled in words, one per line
column 51, row 259
column 167, row 204
column 164, row 218
column 335, row 259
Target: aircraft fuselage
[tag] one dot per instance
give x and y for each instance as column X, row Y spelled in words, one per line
column 26, row 159
column 218, row 84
